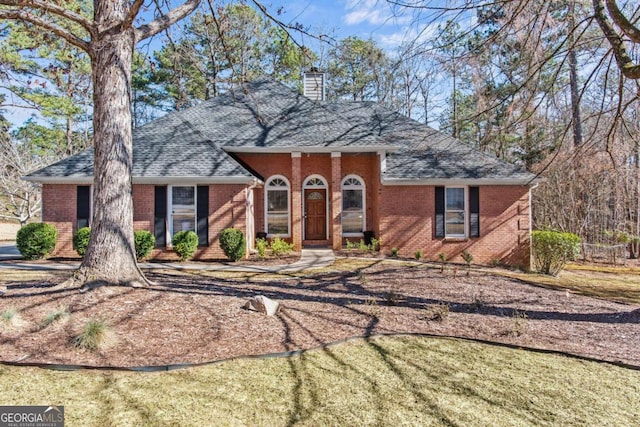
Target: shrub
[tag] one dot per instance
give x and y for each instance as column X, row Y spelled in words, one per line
column 468, row 258
column 144, row 242
column 552, row 250
column 362, row 246
column 81, row 240
column 280, row 247
column 261, row 247
column 443, row 259
column 185, row 244
column 92, row 336
column 36, row 240
column 394, row 252
column 233, row 243
column 418, row 255
column 351, row 245
column 375, row 244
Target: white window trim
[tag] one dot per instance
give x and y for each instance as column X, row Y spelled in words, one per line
column 325, row 187
column 170, row 232
column 364, row 203
column 266, row 205
column 465, row 188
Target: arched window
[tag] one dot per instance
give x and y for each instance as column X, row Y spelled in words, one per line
column 353, row 205
column 276, row 209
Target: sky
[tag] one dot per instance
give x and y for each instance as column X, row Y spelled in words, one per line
column 366, row 19
column 335, row 19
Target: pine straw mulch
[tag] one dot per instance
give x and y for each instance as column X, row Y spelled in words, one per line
column 191, row 317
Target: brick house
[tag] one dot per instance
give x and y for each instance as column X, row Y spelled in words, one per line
column 265, row 159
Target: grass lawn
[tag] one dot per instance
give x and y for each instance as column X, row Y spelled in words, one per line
column 383, row 381
column 614, row 283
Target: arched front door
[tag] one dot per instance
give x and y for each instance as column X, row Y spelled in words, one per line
column 315, row 209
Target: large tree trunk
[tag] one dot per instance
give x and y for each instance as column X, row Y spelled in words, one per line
column 110, row 255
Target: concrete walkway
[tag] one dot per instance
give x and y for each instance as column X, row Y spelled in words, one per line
column 309, row 259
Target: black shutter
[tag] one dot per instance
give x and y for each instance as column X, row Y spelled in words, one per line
column 474, row 212
column 160, row 215
column 202, row 215
column 83, row 203
column 439, row 229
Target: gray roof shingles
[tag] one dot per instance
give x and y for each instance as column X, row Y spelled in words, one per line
column 267, row 114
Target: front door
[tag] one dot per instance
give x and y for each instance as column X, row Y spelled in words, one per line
column 315, row 214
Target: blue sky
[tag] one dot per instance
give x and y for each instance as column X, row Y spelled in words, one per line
column 366, row 19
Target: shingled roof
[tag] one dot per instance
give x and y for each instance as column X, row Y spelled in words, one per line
column 266, row 116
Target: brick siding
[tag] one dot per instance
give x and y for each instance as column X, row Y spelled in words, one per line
column 402, row 216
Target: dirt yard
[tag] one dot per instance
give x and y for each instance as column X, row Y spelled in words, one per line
column 191, row 318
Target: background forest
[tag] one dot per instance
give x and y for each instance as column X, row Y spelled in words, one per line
column 534, row 83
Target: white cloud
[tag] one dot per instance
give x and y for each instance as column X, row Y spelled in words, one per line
column 373, row 12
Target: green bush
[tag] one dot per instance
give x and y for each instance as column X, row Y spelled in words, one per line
column 552, row 250
column 185, row 244
column 144, row 242
column 394, row 252
column 81, row 240
column 280, row 247
column 36, row 240
column 261, row 247
column 233, row 243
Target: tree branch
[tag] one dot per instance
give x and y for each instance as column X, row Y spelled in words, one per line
column 628, row 68
column 25, row 15
column 164, row 21
column 51, row 7
column 622, row 22
column 133, row 12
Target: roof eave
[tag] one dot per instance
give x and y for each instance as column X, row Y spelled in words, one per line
column 310, row 149
column 461, row 181
column 159, row 180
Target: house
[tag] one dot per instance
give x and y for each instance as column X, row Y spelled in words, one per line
column 266, row 159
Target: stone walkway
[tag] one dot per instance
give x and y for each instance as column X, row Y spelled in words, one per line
column 309, row 259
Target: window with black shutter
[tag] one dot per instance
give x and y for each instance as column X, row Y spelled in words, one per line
column 439, row 228
column 474, row 212
column 203, row 215
column 160, row 215
column 83, row 206
column 457, row 212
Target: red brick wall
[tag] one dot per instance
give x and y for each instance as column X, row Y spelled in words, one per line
column 402, row 216
column 504, row 225
column 365, row 165
column 227, row 208
column 59, row 204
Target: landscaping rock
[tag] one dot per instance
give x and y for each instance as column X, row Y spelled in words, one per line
column 263, row 304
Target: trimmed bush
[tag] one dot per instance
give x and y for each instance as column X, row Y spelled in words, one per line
column 233, row 243
column 81, row 240
column 36, row 240
column 552, row 250
column 280, row 247
column 185, row 244
column 261, row 247
column 144, row 242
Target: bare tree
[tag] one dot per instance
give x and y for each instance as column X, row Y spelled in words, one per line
column 20, row 199
column 109, row 38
